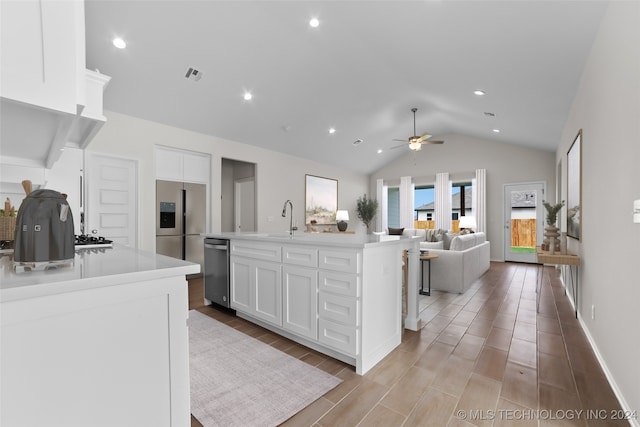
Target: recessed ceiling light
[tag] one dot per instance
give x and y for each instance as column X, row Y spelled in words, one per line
column 314, row 22
column 332, row 130
column 119, row 43
column 247, row 96
column 379, row 150
column 496, row 130
column 479, row 92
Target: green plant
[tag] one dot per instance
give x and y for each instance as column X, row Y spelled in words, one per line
column 552, row 211
column 366, row 209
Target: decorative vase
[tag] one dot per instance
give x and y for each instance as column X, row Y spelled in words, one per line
column 552, row 245
column 563, row 242
column 551, row 231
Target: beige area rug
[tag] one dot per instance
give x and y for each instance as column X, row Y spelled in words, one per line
column 237, row 380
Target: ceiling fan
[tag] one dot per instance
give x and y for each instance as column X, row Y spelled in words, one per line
column 415, row 141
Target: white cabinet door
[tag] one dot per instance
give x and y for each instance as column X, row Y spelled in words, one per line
column 168, row 164
column 241, row 284
column 300, row 301
column 196, row 167
column 43, row 56
column 256, row 288
column 267, row 290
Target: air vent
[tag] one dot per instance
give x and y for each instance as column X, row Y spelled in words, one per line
column 357, row 142
column 193, row 74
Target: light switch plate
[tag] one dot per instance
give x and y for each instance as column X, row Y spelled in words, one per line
column 636, row 211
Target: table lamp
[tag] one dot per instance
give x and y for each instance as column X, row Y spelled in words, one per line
column 467, row 224
column 342, row 216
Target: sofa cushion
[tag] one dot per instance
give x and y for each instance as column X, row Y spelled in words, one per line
column 396, row 231
column 425, row 246
column 463, row 242
column 421, row 233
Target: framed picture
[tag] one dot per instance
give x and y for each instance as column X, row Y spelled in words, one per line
column 321, row 200
column 574, row 188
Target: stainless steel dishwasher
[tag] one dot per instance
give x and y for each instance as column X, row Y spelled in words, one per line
column 216, row 271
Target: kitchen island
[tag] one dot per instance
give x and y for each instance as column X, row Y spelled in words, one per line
column 340, row 294
column 101, row 342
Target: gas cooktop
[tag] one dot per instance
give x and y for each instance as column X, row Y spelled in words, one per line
column 86, row 241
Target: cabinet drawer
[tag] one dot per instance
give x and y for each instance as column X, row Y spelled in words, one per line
column 338, row 308
column 256, row 250
column 296, row 255
column 340, row 337
column 339, row 283
column 338, row 261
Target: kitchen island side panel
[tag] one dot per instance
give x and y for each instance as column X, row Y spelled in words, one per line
column 104, row 354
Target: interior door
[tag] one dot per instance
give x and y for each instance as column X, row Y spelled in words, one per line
column 523, row 220
column 245, row 205
column 111, row 196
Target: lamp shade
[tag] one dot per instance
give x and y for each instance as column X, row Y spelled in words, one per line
column 468, row 221
column 342, row 215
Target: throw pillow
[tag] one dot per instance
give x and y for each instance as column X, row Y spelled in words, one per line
column 448, row 237
column 395, row 231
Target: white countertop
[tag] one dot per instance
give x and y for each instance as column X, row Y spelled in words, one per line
column 355, row 240
column 91, row 268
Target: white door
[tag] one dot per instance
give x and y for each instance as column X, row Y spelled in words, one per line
column 111, row 198
column 245, row 205
column 523, row 220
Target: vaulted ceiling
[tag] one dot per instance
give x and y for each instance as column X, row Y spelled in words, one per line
column 360, row 71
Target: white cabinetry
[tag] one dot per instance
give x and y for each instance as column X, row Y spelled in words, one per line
column 342, row 300
column 43, row 53
column 300, row 291
column 339, row 304
column 181, row 165
column 256, row 280
column 112, row 353
column 48, row 99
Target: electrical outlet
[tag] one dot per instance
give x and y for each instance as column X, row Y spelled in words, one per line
column 593, row 312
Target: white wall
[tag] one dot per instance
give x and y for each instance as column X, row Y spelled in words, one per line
column 461, row 156
column 607, row 109
column 278, row 176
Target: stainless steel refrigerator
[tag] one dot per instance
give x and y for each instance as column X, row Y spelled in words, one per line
column 181, row 215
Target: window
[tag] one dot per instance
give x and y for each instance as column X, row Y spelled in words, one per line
column 461, row 199
column 423, row 200
column 393, row 207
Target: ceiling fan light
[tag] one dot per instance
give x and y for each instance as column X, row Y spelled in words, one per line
column 415, row 145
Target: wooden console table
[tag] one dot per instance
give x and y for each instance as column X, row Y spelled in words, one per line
column 568, row 259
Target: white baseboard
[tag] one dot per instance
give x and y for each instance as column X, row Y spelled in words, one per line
column 603, row 365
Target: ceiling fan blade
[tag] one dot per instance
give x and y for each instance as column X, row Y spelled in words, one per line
column 424, row 137
column 432, row 142
column 398, row 146
column 399, row 140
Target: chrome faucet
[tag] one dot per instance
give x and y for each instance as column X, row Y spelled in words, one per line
column 284, row 215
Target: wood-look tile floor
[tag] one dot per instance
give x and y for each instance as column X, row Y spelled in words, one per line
column 483, row 358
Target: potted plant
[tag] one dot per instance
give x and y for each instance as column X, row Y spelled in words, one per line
column 551, row 242
column 366, row 209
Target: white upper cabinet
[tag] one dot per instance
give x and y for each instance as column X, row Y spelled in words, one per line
column 181, row 165
column 49, row 99
column 43, row 53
